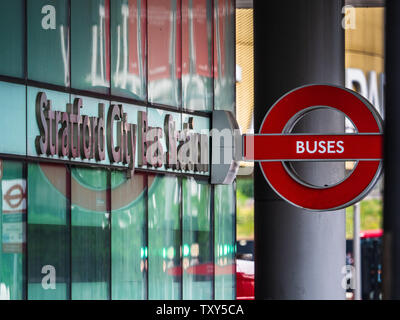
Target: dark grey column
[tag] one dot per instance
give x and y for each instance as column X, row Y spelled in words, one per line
column 298, row 254
column 391, row 262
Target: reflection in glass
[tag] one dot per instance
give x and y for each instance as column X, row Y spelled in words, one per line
column 197, row 82
column 165, row 269
column 13, row 118
column 128, row 48
column 129, row 236
column 90, row 233
column 48, row 41
column 156, row 119
column 198, row 269
column 48, row 220
column 224, row 56
column 90, row 45
column 225, row 228
column 12, row 231
column 164, row 49
column 12, row 38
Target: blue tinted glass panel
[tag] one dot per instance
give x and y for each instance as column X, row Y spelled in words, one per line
column 12, row 231
column 224, row 233
column 197, row 255
column 224, row 55
column 164, row 60
column 90, row 234
column 48, row 41
column 13, row 119
column 90, row 45
column 129, row 236
column 12, row 38
column 128, row 48
column 48, row 261
column 197, row 82
column 165, row 271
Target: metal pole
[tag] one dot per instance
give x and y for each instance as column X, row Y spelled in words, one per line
column 357, row 251
column 391, row 218
column 298, row 254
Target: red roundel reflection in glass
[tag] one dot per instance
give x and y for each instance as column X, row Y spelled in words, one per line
column 275, row 145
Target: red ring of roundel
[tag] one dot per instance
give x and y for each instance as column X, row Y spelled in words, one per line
column 337, row 196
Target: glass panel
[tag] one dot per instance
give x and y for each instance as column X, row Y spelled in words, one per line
column 165, row 271
column 197, row 82
column 129, row 236
column 90, row 51
column 90, row 233
column 13, row 118
column 156, row 119
column 48, row 261
column 164, row 41
column 12, row 38
column 59, row 102
column 128, row 48
column 224, row 55
column 48, row 41
column 197, row 262
column 225, row 227
column 12, row 231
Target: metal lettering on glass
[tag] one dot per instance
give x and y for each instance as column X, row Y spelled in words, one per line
column 79, row 136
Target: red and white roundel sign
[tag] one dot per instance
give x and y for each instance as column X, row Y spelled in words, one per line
column 275, row 146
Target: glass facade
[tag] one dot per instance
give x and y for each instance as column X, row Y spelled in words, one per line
column 165, row 253
column 198, row 269
column 13, row 231
column 224, row 242
column 48, row 220
column 48, row 41
column 87, row 228
column 12, row 38
column 128, row 48
column 197, row 80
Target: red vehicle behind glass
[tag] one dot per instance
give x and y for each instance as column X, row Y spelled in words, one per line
column 245, row 270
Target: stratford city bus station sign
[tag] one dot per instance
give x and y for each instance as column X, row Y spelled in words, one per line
column 111, row 138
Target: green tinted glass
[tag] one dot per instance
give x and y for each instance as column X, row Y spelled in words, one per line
column 128, row 49
column 48, row 261
column 12, row 38
column 197, row 262
column 197, row 81
column 13, row 119
column 48, row 41
column 12, row 231
column 225, row 248
column 90, row 45
column 90, row 233
column 165, row 269
column 129, row 236
column 224, row 56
